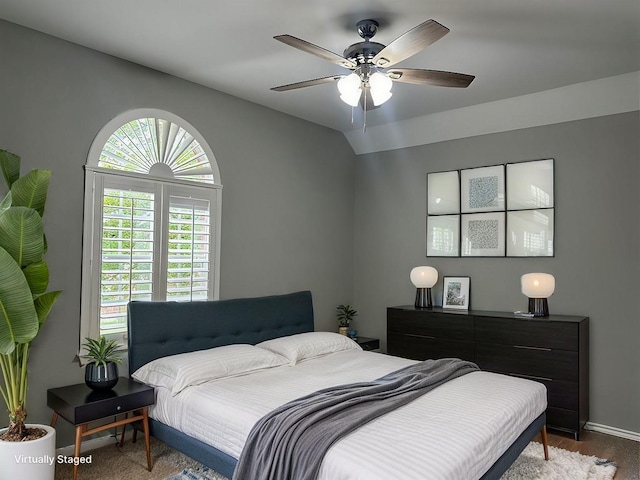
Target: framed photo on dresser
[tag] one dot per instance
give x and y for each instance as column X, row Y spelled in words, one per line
column 455, row 293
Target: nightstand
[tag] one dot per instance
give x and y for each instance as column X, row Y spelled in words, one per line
column 368, row 343
column 79, row 405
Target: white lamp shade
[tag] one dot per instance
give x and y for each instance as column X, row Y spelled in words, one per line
column 349, row 84
column 538, row 285
column 380, row 82
column 380, row 88
column 351, row 98
column 380, row 97
column 424, row 277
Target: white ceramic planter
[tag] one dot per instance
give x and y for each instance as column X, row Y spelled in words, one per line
column 33, row 460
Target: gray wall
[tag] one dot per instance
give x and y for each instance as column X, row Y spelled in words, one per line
column 597, row 262
column 288, row 221
column 287, row 200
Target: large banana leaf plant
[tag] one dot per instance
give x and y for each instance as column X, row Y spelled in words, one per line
column 24, row 278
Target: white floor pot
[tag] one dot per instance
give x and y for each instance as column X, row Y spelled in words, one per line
column 33, row 460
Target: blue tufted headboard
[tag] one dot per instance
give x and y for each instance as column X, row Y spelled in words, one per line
column 158, row 329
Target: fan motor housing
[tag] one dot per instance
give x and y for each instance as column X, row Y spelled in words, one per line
column 363, row 52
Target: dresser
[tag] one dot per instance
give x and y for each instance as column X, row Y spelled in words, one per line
column 552, row 350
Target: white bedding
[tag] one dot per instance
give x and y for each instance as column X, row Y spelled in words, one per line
column 454, row 432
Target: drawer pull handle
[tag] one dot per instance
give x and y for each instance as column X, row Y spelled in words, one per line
column 118, row 408
column 524, row 347
column 420, row 336
column 532, row 377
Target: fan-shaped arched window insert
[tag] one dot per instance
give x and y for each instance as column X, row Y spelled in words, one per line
column 158, row 147
column 151, row 219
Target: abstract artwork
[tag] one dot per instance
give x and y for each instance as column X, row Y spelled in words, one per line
column 494, row 211
column 482, row 189
column 482, row 235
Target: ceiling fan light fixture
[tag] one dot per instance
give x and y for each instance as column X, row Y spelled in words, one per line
column 349, row 88
column 380, row 87
column 351, row 98
column 349, row 84
column 380, row 97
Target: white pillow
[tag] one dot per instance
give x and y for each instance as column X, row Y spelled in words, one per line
column 177, row 372
column 301, row 346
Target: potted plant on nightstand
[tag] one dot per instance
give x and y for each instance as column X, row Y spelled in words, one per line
column 345, row 314
column 101, row 373
column 24, row 306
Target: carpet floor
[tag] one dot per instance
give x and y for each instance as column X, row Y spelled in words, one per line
column 129, row 463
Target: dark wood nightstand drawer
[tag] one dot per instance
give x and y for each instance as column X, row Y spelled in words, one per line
column 368, row 344
column 527, row 332
column 542, row 363
column 78, row 404
column 431, row 325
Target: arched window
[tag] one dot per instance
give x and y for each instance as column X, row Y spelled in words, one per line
column 151, row 219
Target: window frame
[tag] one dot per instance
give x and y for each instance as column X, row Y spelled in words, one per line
column 97, row 178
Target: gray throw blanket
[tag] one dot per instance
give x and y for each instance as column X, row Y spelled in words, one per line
column 290, row 442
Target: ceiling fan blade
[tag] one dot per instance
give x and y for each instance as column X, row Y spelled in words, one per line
column 410, row 43
column 307, row 83
column 316, row 50
column 430, row 77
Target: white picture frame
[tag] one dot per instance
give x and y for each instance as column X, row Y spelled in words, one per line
column 443, row 236
column 482, row 235
column 443, row 193
column 530, row 233
column 455, row 293
column 482, row 189
column 530, row 184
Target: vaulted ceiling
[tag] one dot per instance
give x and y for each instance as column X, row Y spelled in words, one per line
column 513, row 47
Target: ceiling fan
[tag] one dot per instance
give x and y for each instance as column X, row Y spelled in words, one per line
column 372, row 64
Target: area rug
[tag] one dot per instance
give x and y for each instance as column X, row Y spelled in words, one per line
column 530, row 465
column 562, row 465
column 129, row 463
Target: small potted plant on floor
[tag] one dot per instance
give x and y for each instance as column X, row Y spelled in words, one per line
column 101, row 373
column 24, row 307
column 345, row 314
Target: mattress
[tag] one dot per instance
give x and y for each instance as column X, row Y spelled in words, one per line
column 454, row 432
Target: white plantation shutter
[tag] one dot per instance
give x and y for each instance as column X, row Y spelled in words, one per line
column 188, row 249
column 127, row 254
column 151, row 220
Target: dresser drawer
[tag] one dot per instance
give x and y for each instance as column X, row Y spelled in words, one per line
column 563, row 419
column 560, row 393
column 430, row 324
column 418, row 347
column 542, row 363
column 527, row 332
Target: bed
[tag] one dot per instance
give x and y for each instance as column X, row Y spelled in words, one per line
column 453, row 435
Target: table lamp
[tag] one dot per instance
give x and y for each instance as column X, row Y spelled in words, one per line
column 423, row 278
column 538, row 287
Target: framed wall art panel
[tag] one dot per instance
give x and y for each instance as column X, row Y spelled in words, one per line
column 443, row 193
column 530, row 233
column 482, row 189
column 483, row 235
column 443, row 236
column 530, row 185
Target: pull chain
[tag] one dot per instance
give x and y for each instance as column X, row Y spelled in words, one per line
column 364, row 122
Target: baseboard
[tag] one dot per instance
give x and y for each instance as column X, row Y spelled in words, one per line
column 92, row 444
column 616, row 432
